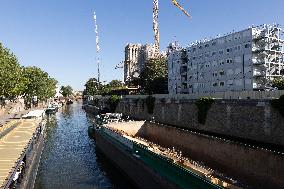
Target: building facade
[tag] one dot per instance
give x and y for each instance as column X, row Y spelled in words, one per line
column 240, row 61
column 135, row 57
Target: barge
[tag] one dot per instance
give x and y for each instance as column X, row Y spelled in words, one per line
column 20, row 151
column 147, row 164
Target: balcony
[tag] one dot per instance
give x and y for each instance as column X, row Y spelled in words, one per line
column 258, row 61
column 257, row 73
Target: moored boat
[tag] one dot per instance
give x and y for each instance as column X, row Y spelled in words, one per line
column 116, row 138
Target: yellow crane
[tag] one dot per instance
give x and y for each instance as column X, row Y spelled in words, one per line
column 155, row 22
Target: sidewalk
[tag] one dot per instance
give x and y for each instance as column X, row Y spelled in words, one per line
column 8, row 117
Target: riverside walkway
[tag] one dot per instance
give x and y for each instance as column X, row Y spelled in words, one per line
column 13, row 145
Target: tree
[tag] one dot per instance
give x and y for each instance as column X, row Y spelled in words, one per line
column 10, row 74
column 38, row 83
column 112, row 86
column 154, row 77
column 279, row 83
column 92, row 87
column 66, row 91
column 116, row 84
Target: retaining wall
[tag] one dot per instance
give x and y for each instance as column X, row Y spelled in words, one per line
column 246, row 119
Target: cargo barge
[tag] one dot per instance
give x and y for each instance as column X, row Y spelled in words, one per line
column 21, row 150
column 149, row 165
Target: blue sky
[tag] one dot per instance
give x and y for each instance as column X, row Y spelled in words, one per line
column 58, row 35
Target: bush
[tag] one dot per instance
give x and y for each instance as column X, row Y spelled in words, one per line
column 278, row 104
column 150, row 102
column 113, row 102
column 203, row 105
column 279, row 83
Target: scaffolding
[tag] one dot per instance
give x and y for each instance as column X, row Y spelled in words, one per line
column 267, row 57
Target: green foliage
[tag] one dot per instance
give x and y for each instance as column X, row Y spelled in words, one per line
column 38, row 83
column 66, row 91
column 26, row 81
column 136, row 102
column 10, row 74
column 96, row 101
column 143, row 104
column 92, row 87
column 113, row 102
column 153, row 78
column 203, row 105
column 279, row 83
column 278, row 104
column 150, row 102
column 111, row 87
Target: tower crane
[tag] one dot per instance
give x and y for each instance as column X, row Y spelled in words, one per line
column 155, row 23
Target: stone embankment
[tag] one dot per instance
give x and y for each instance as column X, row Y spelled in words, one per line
column 234, row 160
column 254, row 120
column 241, row 138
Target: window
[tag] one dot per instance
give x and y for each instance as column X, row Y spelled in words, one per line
column 229, row 61
column 207, row 45
column 222, row 83
column 228, row 50
column 200, row 47
column 230, row 82
column 215, row 74
column 221, row 62
column 222, row 72
column 213, row 53
column 247, row 46
column 215, row 84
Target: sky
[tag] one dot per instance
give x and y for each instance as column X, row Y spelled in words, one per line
column 59, row 36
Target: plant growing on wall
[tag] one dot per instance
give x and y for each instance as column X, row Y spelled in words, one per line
column 203, row 105
column 143, row 104
column 278, row 104
column 278, row 83
column 150, row 102
column 136, row 102
column 113, row 102
column 96, row 101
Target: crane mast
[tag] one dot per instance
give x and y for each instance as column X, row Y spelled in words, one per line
column 97, row 46
column 156, row 26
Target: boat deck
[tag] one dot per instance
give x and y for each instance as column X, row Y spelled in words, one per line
column 13, row 144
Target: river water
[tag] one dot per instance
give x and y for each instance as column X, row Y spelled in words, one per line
column 70, row 159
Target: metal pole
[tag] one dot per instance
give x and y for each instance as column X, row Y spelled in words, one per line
column 97, row 48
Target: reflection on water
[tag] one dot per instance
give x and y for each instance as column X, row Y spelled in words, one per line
column 70, row 159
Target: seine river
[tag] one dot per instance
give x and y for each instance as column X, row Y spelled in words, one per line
column 70, row 159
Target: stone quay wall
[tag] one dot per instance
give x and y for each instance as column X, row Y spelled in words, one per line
column 251, row 166
column 254, row 120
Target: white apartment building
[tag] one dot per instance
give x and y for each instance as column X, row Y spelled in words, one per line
column 240, row 61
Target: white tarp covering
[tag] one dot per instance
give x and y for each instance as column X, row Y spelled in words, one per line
column 34, row 114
